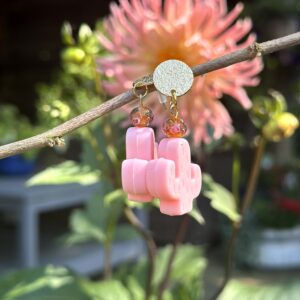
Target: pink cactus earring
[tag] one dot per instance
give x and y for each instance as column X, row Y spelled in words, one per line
column 140, row 149
column 162, row 171
column 180, row 180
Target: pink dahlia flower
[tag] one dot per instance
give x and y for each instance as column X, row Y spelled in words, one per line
column 143, row 33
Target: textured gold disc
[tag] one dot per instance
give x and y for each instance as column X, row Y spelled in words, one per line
column 173, row 75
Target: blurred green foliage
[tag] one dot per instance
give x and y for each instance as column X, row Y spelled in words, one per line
column 41, row 284
column 14, row 126
column 59, row 283
column 66, row 172
column 270, row 214
column 187, row 269
column 278, row 203
column 77, row 87
column 221, row 199
column 98, row 221
column 261, row 290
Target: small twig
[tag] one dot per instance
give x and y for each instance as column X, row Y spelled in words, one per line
column 179, row 238
column 246, row 202
column 151, row 247
column 247, row 53
column 56, row 141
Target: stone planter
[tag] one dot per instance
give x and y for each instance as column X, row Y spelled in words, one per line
column 270, row 248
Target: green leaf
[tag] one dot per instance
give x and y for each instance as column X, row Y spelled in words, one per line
column 196, row 215
column 260, row 290
column 188, row 265
column 222, row 200
column 64, row 173
column 97, row 221
column 135, row 289
column 73, row 238
column 41, row 284
column 106, row 290
column 82, row 226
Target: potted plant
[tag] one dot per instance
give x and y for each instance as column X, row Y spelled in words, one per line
column 272, row 238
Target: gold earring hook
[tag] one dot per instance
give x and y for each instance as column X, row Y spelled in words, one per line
column 140, row 116
column 173, row 104
column 137, row 85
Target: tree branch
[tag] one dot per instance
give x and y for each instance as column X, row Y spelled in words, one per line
column 53, row 136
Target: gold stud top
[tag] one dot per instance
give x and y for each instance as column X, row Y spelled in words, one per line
column 173, row 75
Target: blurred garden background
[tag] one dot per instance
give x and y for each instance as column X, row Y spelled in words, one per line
column 68, row 231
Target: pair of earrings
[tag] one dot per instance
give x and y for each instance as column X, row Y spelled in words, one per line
column 162, row 170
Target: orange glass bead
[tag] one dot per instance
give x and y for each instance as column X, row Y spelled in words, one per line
column 141, row 116
column 174, row 127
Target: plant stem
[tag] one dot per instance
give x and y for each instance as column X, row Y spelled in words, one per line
column 247, row 199
column 236, row 168
column 151, row 247
column 251, row 186
column 179, row 238
column 107, row 260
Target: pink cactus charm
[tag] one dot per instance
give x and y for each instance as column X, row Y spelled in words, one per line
column 168, row 175
column 140, row 149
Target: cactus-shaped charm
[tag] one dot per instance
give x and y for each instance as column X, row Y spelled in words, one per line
column 168, row 174
column 140, row 149
column 173, row 178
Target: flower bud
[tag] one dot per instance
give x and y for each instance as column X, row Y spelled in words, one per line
column 280, row 127
column 66, row 33
column 74, row 55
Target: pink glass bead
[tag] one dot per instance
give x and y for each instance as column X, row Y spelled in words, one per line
column 174, row 127
column 141, row 116
column 168, row 174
